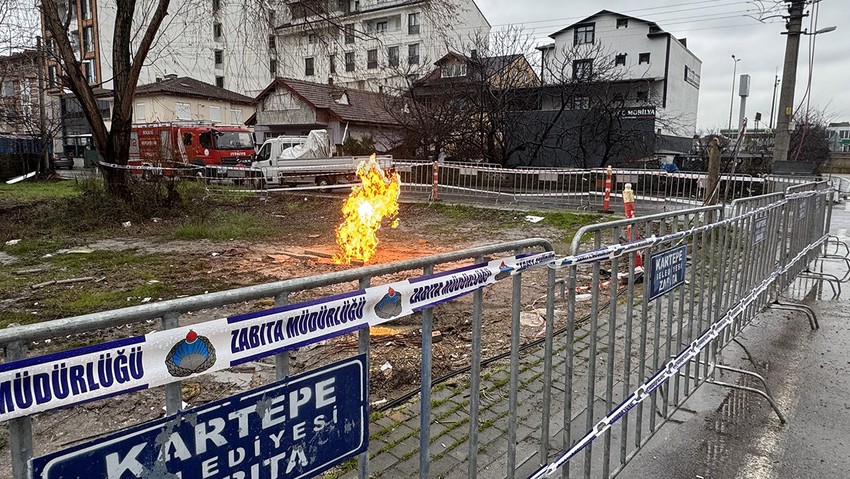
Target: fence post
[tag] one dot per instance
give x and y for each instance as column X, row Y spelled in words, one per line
column 173, row 391
column 281, row 361
column 435, row 181
column 629, row 206
column 606, row 202
column 20, row 429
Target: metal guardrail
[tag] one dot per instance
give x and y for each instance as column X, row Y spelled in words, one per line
column 15, row 340
column 608, row 371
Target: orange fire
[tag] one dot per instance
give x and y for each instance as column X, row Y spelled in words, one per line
column 375, row 198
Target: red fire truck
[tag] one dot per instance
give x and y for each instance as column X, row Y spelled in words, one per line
column 197, row 144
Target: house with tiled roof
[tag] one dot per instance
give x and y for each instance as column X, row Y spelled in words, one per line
column 294, row 107
column 176, row 98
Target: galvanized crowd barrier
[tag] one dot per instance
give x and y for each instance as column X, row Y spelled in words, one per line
column 16, row 341
column 649, row 304
column 707, row 274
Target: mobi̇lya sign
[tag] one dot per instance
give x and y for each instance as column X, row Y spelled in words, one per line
column 291, row 429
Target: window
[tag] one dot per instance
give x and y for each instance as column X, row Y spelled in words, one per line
column 140, row 113
column 273, row 67
column 216, row 5
column 8, row 88
column 642, row 95
column 453, row 70
column 183, row 111
column 187, row 139
column 843, row 134
column 371, row 59
column 643, row 58
column 691, row 76
column 85, row 6
column 216, row 31
column 413, row 23
column 343, row 6
column 619, row 96
column 91, row 74
column 348, row 31
column 219, row 82
column 53, row 75
column 349, row 61
column 332, row 63
column 205, row 139
column 308, row 67
column 236, row 116
column 620, row 60
column 622, row 23
column 312, row 39
column 88, row 38
column 381, row 27
column 582, row 69
column 215, row 114
column 392, row 56
column 413, row 54
column 584, row 34
column 219, row 58
column 272, row 42
column 581, row 102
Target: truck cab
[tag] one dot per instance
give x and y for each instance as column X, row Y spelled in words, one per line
column 273, row 147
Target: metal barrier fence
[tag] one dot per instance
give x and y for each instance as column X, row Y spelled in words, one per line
column 172, row 313
column 656, row 190
column 608, row 364
column 706, row 278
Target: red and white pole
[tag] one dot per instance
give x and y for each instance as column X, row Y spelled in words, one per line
column 606, row 203
column 629, row 206
column 435, row 181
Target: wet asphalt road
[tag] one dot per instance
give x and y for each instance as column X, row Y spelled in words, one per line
column 726, row 434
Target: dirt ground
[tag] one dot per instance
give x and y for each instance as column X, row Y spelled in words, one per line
column 144, row 262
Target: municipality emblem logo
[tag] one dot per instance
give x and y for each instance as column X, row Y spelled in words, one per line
column 390, row 305
column 504, row 271
column 192, row 355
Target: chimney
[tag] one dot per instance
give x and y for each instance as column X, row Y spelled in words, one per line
column 474, row 54
column 158, row 79
column 380, row 88
column 331, row 81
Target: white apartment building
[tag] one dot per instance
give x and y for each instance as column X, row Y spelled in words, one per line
column 372, row 44
column 650, row 66
column 839, row 136
column 214, row 41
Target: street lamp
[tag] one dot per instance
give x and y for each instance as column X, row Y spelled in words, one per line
column 732, row 100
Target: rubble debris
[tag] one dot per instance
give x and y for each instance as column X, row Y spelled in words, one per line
column 13, row 242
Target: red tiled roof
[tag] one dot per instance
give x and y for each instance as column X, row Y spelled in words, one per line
column 363, row 106
column 185, row 86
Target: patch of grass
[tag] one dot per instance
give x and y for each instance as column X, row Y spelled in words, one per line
column 343, row 468
column 38, row 190
column 457, row 212
column 226, row 225
column 29, row 248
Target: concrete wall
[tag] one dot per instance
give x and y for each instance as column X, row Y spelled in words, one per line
column 283, row 108
column 682, row 96
column 839, row 162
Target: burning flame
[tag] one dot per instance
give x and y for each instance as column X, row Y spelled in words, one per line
column 375, row 198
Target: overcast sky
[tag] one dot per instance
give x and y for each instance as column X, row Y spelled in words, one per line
column 717, row 29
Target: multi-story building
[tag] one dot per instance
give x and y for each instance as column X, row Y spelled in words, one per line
column 218, row 42
column 215, row 41
column 372, row 44
column 645, row 65
column 19, row 94
column 839, row 137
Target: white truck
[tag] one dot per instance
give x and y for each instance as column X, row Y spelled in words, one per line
column 293, row 160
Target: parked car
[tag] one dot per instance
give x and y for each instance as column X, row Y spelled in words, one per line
column 64, row 161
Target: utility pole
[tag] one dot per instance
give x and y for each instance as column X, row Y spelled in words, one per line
column 789, row 79
column 42, row 126
column 773, row 99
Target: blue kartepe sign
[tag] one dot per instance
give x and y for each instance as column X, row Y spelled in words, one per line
column 290, row 429
column 667, row 271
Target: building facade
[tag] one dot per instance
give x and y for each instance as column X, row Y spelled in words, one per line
column 186, row 99
column 839, row 137
column 220, row 42
column 374, row 44
column 19, row 94
column 646, row 65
